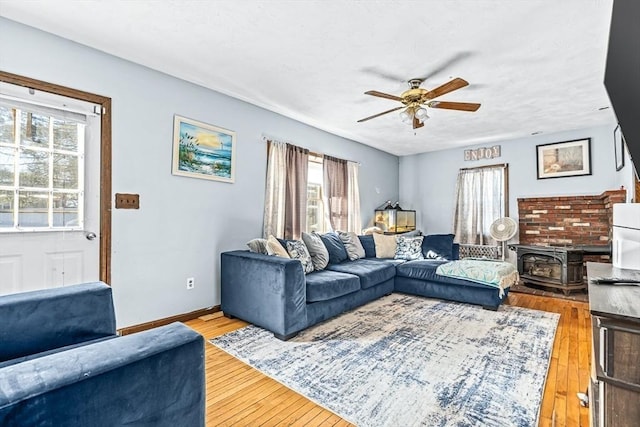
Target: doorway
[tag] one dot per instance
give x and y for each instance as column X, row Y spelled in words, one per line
column 64, row 210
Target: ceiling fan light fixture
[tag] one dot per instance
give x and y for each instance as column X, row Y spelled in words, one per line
column 406, row 115
column 421, row 114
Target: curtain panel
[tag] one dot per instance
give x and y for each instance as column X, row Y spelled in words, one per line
column 336, row 178
column 354, row 223
column 295, row 206
column 480, row 199
column 285, row 204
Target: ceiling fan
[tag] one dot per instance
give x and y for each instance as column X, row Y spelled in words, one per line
column 415, row 98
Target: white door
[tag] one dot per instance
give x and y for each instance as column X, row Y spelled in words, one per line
column 49, row 190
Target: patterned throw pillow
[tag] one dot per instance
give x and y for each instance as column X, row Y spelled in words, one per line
column 317, row 250
column 352, row 245
column 298, row 250
column 409, row 248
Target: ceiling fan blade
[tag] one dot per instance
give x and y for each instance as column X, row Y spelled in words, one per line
column 450, row 86
column 461, row 106
column 383, row 95
column 416, row 123
column 447, row 64
column 380, row 114
column 385, row 75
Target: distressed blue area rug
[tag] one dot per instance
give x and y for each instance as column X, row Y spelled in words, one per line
column 410, row 361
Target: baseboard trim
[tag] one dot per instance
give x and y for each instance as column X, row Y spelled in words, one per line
column 161, row 322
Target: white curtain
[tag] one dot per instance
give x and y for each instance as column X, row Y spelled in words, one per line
column 354, row 222
column 275, row 192
column 480, row 199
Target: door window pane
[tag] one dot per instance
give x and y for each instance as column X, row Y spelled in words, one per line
column 7, row 167
column 65, row 171
column 65, row 210
column 33, row 209
column 34, row 169
column 65, row 135
column 7, row 134
column 6, row 208
column 34, row 129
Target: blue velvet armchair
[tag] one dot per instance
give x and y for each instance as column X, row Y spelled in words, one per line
column 62, row 364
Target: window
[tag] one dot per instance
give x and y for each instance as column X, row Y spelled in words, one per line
column 41, row 169
column 315, row 202
column 481, row 198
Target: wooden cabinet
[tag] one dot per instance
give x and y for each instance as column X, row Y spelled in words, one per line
column 614, row 390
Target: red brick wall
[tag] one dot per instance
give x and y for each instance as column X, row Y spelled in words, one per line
column 568, row 221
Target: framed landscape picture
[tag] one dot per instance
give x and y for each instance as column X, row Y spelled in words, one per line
column 563, row 159
column 203, row 151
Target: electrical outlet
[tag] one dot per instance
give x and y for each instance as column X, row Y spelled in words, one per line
column 191, row 283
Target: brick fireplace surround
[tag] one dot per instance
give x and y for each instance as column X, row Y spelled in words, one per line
column 569, row 220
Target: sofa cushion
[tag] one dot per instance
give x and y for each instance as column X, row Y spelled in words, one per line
column 352, row 245
column 409, row 248
column 369, row 271
column 420, row 269
column 438, row 245
column 317, row 250
column 426, row 270
column 369, row 246
column 325, row 285
column 335, row 247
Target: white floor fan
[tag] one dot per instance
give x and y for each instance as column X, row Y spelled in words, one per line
column 502, row 230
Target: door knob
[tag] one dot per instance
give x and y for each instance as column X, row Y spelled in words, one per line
column 91, row 235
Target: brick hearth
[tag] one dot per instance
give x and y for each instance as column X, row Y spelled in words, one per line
column 568, row 220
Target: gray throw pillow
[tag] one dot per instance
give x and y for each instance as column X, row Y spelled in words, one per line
column 258, row 246
column 352, row 244
column 298, row 250
column 317, row 250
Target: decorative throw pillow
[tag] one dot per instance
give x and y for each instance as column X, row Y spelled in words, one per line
column 439, row 244
column 385, row 245
column 317, row 250
column 369, row 245
column 335, row 247
column 352, row 245
column 258, row 246
column 298, row 250
column 413, row 233
column 409, row 248
column 275, row 248
column 371, row 230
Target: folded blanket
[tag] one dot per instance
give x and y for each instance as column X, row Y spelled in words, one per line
column 498, row 274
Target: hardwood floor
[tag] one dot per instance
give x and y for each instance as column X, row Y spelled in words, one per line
column 238, row 395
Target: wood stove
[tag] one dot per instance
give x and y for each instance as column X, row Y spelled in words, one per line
column 559, row 267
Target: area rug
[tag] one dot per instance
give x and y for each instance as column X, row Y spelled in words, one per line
column 410, row 361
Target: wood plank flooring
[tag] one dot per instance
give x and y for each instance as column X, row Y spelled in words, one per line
column 238, row 395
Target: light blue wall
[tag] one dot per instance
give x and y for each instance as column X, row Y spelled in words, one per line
column 428, row 181
column 183, row 224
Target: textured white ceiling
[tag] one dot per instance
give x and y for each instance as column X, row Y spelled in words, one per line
column 534, row 65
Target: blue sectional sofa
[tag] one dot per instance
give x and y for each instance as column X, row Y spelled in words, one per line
column 62, row 364
column 275, row 294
